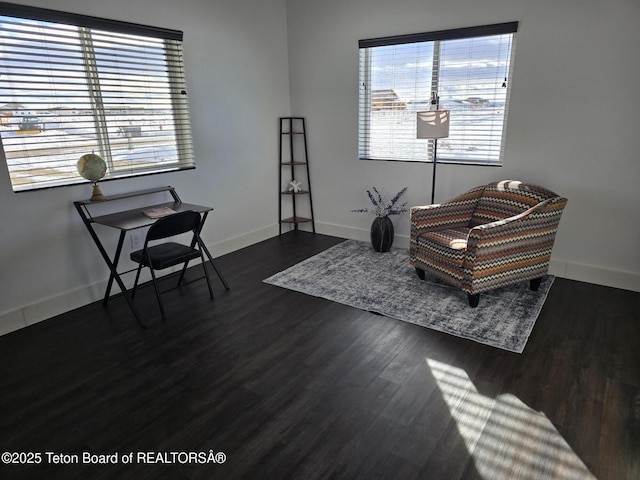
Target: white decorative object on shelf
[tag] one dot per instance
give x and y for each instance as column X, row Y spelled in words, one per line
column 295, row 186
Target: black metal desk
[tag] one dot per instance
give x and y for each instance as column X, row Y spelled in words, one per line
column 133, row 219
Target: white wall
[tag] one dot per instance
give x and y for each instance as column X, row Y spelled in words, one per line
column 572, row 124
column 237, row 75
column 575, row 60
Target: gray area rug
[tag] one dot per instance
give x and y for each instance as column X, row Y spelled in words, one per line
column 354, row 274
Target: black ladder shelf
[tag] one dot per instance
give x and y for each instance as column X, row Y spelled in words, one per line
column 293, row 129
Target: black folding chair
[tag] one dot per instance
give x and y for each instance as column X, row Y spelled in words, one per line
column 164, row 255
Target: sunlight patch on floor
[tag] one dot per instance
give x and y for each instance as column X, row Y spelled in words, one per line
column 506, row 438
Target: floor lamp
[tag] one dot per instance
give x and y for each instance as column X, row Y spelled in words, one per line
column 433, row 124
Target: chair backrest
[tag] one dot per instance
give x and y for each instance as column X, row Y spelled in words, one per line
column 505, row 199
column 174, row 224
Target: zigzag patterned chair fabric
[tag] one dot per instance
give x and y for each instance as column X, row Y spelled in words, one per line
column 489, row 237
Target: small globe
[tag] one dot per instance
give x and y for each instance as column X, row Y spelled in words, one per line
column 92, row 167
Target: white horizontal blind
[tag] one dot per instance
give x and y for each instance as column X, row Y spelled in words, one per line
column 67, row 90
column 473, row 83
column 470, row 71
column 398, row 85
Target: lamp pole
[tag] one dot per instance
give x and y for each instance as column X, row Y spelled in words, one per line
column 433, row 124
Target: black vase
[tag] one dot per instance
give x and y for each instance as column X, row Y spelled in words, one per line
column 382, row 234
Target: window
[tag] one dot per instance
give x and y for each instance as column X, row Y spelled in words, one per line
column 71, row 85
column 469, row 70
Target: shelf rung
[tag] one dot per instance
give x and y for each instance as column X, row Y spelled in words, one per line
column 295, row 220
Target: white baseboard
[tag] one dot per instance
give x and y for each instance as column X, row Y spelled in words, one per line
column 241, row 241
column 598, row 275
column 65, row 302
column 572, row 271
column 50, row 307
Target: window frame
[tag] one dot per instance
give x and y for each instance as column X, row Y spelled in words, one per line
column 168, row 44
column 365, row 130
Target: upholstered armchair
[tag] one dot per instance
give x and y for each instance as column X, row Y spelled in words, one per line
column 492, row 236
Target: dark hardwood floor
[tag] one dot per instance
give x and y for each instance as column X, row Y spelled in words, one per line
column 295, row 387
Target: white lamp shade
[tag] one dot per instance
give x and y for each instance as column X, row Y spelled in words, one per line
column 433, row 124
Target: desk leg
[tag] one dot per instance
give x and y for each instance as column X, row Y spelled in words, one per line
column 116, row 260
column 208, row 254
column 114, row 273
column 213, row 264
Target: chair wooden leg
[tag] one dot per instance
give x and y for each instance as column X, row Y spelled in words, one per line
column 420, row 273
column 474, row 300
column 535, row 284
